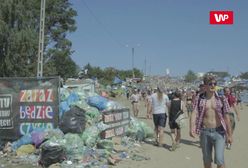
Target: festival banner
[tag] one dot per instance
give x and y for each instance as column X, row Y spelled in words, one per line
column 27, row 104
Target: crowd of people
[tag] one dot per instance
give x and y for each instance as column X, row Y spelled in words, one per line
column 212, row 115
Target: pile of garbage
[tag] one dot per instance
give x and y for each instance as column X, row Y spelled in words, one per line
column 77, row 142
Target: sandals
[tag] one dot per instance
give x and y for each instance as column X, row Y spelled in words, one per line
column 173, row 147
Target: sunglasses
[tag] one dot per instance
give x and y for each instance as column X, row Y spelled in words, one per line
column 212, row 84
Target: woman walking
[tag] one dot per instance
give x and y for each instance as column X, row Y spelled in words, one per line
column 176, row 106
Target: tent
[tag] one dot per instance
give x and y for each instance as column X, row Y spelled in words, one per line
column 117, row 80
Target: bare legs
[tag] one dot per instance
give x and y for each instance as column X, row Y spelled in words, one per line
column 175, row 137
column 159, row 135
column 135, row 109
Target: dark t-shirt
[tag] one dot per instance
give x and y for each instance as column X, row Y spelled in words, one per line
column 174, row 108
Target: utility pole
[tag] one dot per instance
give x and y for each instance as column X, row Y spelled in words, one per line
column 133, row 61
column 145, row 66
column 41, row 39
column 150, row 69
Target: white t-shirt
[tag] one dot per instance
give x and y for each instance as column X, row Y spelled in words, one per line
column 159, row 107
column 134, row 98
column 149, row 98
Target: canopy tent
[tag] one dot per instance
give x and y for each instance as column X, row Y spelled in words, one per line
column 117, row 80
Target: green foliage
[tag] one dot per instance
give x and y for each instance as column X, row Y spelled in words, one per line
column 244, row 75
column 190, row 76
column 106, row 76
column 19, row 37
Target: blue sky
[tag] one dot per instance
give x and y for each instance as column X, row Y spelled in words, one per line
column 173, row 34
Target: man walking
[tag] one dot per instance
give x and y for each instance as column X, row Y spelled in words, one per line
column 211, row 121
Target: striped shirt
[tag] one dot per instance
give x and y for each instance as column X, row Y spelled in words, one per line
column 222, row 108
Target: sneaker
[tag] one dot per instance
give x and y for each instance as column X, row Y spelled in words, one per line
column 228, row 146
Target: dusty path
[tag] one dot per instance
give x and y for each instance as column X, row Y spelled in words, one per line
column 189, row 154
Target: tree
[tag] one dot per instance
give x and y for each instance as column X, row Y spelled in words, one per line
column 107, row 75
column 244, row 75
column 19, row 35
column 190, row 76
column 138, row 73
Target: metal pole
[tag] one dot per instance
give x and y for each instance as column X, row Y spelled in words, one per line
column 150, row 69
column 133, row 61
column 145, row 66
column 41, row 39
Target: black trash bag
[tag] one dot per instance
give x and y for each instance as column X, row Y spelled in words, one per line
column 51, row 154
column 2, row 144
column 73, row 121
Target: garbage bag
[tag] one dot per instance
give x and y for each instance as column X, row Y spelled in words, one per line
column 139, row 130
column 112, row 105
column 25, row 149
column 92, row 115
column 74, row 146
column 57, row 133
column 24, row 140
column 38, row 137
column 63, row 107
column 149, row 133
column 72, row 98
column 90, row 136
column 97, row 101
column 91, row 112
column 51, row 153
column 2, row 144
column 73, row 121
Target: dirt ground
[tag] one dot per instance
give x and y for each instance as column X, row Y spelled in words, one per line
column 188, row 155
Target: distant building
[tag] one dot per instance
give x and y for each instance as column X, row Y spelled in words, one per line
column 200, row 74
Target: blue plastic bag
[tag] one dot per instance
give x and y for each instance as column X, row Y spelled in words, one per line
column 63, row 107
column 98, row 101
column 24, row 140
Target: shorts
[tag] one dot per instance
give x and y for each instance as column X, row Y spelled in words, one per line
column 173, row 124
column 213, row 138
column 159, row 119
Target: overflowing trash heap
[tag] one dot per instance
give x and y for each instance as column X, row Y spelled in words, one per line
column 79, row 140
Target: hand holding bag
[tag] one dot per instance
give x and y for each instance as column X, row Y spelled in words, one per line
column 181, row 118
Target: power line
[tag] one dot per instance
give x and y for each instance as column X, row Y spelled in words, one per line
column 102, row 25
